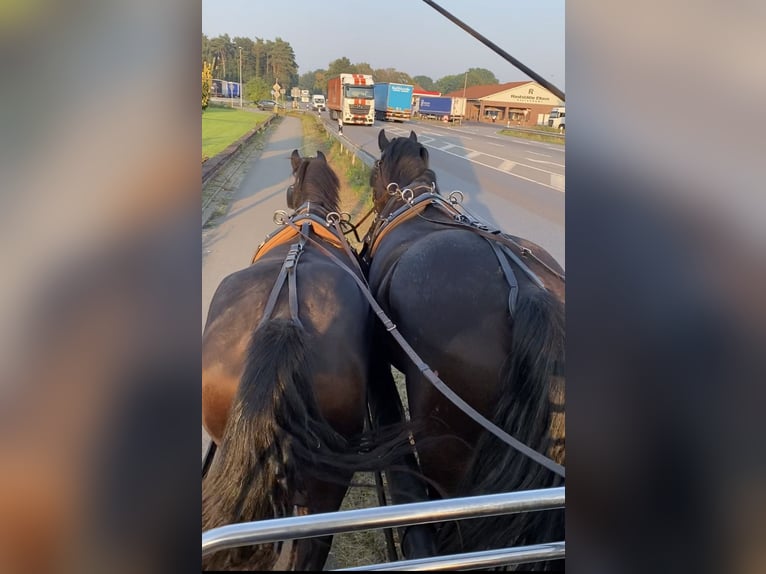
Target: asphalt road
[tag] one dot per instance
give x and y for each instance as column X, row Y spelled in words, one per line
column 514, row 183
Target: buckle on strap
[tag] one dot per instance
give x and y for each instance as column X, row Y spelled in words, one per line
column 292, row 255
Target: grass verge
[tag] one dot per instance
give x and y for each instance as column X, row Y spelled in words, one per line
column 554, row 136
column 354, row 175
column 221, row 127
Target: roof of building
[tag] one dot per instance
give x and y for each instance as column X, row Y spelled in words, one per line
column 477, row 92
column 418, row 91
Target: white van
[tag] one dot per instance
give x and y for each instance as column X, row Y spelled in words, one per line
column 318, row 103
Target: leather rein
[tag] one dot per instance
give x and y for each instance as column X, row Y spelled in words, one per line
column 427, row 372
column 333, row 221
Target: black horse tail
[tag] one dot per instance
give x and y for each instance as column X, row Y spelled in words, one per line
column 531, row 408
column 274, row 433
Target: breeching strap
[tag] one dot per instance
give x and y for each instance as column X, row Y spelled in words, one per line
column 289, row 271
column 432, row 377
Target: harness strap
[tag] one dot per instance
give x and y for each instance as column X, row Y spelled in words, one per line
column 434, row 379
column 288, row 270
column 510, row 276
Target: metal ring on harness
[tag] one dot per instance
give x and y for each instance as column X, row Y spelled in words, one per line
column 345, row 216
column 392, row 190
column 455, row 197
column 332, row 218
column 408, row 197
column 280, row 217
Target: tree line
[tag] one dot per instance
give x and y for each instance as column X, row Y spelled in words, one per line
column 265, row 62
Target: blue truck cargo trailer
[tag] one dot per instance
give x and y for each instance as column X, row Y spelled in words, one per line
column 393, row 101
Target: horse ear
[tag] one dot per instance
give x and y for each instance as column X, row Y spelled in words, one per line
column 321, row 156
column 413, row 136
column 382, row 140
column 295, row 160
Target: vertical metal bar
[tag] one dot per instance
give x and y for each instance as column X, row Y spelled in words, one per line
column 387, row 532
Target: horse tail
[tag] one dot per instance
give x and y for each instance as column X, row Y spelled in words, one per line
column 273, row 435
column 531, row 408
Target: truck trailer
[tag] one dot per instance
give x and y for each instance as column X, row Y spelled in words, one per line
column 351, row 97
column 441, row 107
column 393, row 101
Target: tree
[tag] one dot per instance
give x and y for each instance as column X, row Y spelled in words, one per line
column 362, row 68
column 424, row 82
column 320, row 82
column 472, row 77
column 257, row 89
column 392, row 75
column 339, row 66
column 481, row 77
column 207, row 80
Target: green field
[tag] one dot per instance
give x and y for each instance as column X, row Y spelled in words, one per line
column 221, row 127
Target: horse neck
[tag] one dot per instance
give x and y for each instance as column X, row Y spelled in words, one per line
column 424, row 183
column 311, row 207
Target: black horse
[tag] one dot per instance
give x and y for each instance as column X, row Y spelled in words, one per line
column 485, row 311
column 285, row 361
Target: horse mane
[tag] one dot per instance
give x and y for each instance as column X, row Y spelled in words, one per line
column 404, row 161
column 317, row 182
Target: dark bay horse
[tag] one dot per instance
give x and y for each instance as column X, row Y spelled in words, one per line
column 285, row 360
column 487, row 315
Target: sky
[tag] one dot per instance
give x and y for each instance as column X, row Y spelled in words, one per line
column 408, row 35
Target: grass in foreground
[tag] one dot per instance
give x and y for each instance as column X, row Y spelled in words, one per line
column 221, row 127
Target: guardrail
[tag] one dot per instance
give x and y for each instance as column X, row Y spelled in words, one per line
column 346, row 146
column 265, row 531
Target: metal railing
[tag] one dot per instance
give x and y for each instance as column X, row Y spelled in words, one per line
column 296, row 527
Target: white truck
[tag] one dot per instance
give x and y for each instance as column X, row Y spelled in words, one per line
column 318, row 103
column 556, row 118
column 351, row 97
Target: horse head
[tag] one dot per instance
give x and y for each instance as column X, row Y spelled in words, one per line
column 403, row 162
column 314, row 181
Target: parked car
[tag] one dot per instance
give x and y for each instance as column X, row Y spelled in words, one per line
column 268, row 105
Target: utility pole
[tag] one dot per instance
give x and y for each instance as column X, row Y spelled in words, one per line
column 240, row 78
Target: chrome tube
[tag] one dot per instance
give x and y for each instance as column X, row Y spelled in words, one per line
column 473, row 560
column 234, row 535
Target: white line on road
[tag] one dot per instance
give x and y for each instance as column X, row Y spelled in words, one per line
column 542, row 154
column 544, row 161
column 507, row 165
column 559, row 181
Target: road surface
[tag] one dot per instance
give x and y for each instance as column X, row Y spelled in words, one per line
column 516, row 184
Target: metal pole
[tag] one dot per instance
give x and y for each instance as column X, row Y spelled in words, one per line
column 240, row 77
column 245, row 533
column 494, row 47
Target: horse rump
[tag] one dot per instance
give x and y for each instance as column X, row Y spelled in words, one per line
column 531, row 408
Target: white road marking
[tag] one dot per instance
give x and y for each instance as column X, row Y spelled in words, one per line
column 544, row 161
column 507, row 165
column 559, row 179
